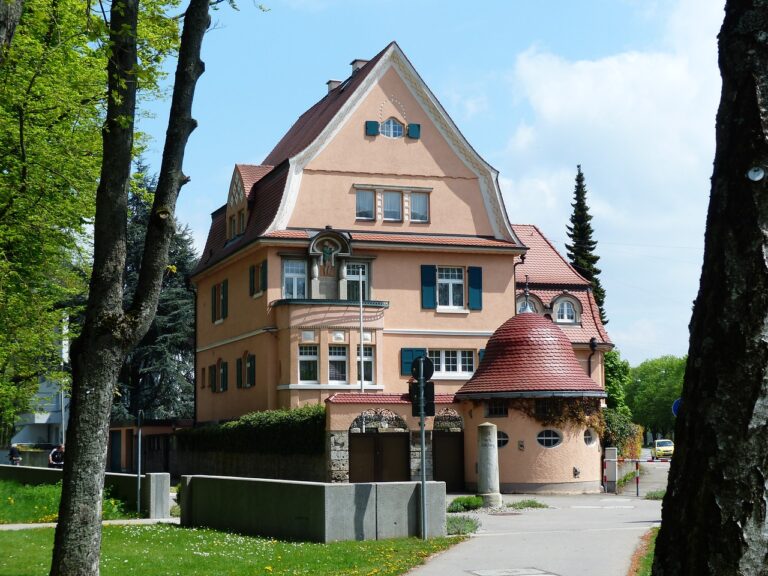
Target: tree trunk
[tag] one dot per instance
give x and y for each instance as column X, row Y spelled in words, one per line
column 110, row 332
column 714, row 514
column 10, row 14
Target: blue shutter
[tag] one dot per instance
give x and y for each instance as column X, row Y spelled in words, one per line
column 371, row 128
column 263, row 276
column 475, row 288
column 414, row 131
column 407, row 356
column 224, row 299
column 239, row 375
column 213, row 303
column 428, row 286
column 480, row 354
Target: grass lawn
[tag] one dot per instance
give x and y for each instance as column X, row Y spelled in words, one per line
column 167, row 550
column 642, row 560
column 22, row 503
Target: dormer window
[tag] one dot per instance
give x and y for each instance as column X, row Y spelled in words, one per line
column 241, row 222
column 566, row 311
column 232, row 229
column 392, row 128
column 526, row 305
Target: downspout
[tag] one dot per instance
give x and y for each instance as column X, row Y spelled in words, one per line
column 593, row 347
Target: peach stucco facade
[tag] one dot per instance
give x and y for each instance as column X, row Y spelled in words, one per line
column 387, row 189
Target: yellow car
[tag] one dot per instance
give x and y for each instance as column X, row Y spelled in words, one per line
column 663, row 449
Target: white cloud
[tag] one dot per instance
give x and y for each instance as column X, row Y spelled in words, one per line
column 641, row 124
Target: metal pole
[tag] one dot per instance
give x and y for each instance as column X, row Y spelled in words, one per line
column 138, row 464
column 637, row 477
column 423, row 456
column 360, row 290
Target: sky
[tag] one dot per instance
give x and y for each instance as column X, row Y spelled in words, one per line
column 628, row 89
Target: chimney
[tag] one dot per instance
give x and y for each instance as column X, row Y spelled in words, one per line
column 333, row 84
column 357, row 64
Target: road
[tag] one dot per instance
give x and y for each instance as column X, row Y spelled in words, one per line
column 579, row 535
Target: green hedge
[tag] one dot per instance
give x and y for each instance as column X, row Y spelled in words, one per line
column 298, row 431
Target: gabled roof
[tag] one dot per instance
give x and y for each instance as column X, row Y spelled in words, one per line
column 252, row 173
column 550, row 276
column 529, row 356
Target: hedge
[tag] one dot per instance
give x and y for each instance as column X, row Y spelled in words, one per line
column 297, row 431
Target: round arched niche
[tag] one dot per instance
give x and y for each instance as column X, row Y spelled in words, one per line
column 378, row 420
column 448, row 420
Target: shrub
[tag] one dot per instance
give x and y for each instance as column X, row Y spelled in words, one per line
column 465, row 503
column 529, row 503
column 655, row 494
column 297, row 431
column 460, row 524
column 622, row 433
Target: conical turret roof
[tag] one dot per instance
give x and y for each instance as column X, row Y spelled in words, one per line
column 529, row 356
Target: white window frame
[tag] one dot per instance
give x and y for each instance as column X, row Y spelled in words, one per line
column 335, row 356
column 531, row 303
column 392, row 194
column 561, row 314
column 452, row 364
column 454, row 285
column 392, row 128
column 293, row 277
column 353, row 279
column 426, row 199
column 368, row 360
column 365, row 194
column 308, row 353
column 549, row 438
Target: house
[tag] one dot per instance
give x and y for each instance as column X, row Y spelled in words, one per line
column 371, row 234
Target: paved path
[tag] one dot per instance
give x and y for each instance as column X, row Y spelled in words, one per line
column 105, row 523
column 580, row 535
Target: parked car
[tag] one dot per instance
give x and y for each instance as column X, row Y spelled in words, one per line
column 663, row 449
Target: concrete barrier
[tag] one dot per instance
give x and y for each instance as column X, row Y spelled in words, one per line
column 155, row 488
column 310, row 511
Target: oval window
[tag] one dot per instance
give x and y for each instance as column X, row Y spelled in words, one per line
column 502, row 439
column 549, row 438
column 589, row 437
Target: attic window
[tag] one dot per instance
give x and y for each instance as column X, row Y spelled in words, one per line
column 566, row 311
column 392, row 128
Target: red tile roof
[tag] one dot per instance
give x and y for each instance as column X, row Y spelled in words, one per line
column 543, row 263
column 250, row 174
column 528, row 355
column 358, row 398
column 402, row 238
column 313, row 121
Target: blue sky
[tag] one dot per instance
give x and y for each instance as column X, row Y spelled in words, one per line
column 626, row 88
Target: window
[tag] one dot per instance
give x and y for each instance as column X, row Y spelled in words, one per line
column 565, row 312
column 450, row 287
column 589, row 437
column 367, row 364
column 549, row 438
column 294, row 279
column 357, row 274
column 239, row 373
column 393, row 206
column 452, row 362
column 364, row 205
column 219, row 301
column 202, row 377
column 502, row 439
column 337, row 364
column 496, row 408
column 392, row 128
column 308, row 364
column 232, row 230
column 419, row 207
column 223, row 376
column 526, row 305
column 250, row 371
column 241, row 222
column 257, row 279
column 212, row 377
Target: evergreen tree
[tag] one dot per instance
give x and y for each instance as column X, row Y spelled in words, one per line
column 581, row 251
column 157, row 376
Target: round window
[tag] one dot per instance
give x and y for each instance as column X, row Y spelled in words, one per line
column 549, row 438
column 589, row 437
column 502, row 439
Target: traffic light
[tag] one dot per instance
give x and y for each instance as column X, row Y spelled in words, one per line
column 429, row 398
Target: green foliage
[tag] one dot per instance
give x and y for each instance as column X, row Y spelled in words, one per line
column 655, row 494
column 525, row 504
column 465, row 503
column 163, row 550
column 617, row 380
column 581, row 251
column 654, row 385
column 620, row 432
column 25, row 504
column 158, row 375
column 646, row 562
column 461, row 524
column 297, row 431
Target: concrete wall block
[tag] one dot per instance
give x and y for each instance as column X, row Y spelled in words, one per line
column 398, row 509
column 350, row 512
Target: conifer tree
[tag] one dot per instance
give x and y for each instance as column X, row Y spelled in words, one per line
column 581, row 251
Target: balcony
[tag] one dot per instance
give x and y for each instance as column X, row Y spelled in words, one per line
column 329, row 313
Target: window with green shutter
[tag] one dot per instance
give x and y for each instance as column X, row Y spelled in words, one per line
column 407, row 356
column 414, row 131
column 252, row 280
column 224, row 373
column 212, row 377
column 250, row 371
column 428, row 286
column 475, row 275
column 371, row 128
column 239, row 373
column 263, row 276
column 219, row 301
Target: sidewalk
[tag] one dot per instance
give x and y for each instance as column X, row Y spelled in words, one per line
column 127, row 521
column 579, row 535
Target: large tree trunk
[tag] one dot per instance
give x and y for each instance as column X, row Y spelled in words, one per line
column 714, row 515
column 110, row 332
column 10, row 14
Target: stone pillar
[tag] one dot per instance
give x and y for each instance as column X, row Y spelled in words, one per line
column 488, row 465
column 416, row 454
column 611, row 470
column 337, row 451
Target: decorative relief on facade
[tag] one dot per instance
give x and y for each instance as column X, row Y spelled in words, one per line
column 378, row 419
column 236, row 191
column 449, row 420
